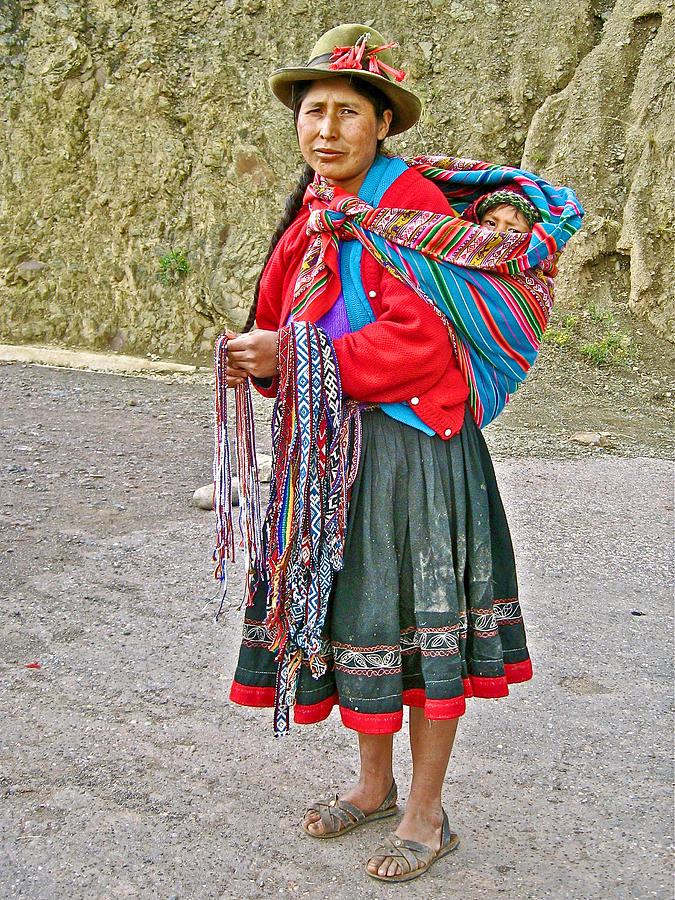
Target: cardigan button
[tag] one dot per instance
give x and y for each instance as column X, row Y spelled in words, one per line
column 414, row 400
column 448, row 432
column 372, row 293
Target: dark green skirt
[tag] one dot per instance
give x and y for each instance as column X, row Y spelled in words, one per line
column 425, row 611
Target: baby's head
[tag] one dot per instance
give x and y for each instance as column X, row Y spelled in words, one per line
column 506, row 210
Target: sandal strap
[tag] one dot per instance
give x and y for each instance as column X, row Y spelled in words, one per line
column 337, row 814
column 390, row 799
column 445, row 831
column 408, row 854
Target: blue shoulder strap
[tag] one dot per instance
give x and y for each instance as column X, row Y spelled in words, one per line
column 381, row 175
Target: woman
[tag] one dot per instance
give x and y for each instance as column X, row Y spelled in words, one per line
column 428, row 561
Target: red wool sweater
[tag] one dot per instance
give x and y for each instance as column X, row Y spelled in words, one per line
column 406, row 354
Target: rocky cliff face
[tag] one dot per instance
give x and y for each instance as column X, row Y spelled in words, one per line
column 138, row 139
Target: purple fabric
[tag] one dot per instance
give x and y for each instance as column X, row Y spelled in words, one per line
column 335, row 322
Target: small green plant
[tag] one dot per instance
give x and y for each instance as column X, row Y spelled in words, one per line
column 611, row 348
column 561, row 336
column 557, row 336
column 598, row 314
column 174, row 265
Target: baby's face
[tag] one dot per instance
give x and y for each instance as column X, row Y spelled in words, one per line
column 505, row 218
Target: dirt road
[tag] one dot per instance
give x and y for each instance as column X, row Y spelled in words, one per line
column 125, row 771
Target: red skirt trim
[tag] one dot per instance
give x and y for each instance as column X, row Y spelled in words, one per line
column 316, row 712
column 389, row 723
column 518, row 672
column 372, row 723
column 246, row 695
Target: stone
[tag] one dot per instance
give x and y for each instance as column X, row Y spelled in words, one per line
column 591, row 438
column 264, row 467
column 30, row 268
column 203, row 496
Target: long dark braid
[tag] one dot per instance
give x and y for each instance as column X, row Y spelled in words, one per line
column 294, row 202
column 291, row 210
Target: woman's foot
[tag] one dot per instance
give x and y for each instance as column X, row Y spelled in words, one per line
column 423, row 828
column 365, row 797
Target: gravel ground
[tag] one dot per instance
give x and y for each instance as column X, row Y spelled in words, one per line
column 126, row 772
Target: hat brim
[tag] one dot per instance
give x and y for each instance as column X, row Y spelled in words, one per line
column 406, row 106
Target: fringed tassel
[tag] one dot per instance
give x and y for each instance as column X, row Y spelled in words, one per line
column 249, row 490
column 222, row 473
column 316, row 444
column 316, row 447
column 250, row 522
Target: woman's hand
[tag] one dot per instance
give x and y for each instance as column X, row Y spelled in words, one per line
column 253, row 354
column 235, row 375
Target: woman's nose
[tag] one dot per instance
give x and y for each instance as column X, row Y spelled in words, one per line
column 329, row 126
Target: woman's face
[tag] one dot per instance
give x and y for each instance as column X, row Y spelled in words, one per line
column 338, row 132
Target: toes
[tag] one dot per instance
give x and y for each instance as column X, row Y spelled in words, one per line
column 390, row 867
column 384, row 866
column 374, row 864
column 312, row 822
column 314, row 826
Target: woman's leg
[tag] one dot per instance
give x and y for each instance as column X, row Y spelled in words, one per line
column 375, row 778
column 430, row 744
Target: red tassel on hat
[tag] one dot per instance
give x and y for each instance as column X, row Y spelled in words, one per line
column 375, row 65
column 349, row 57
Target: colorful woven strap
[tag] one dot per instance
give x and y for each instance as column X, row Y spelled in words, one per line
column 316, row 445
column 316, row 441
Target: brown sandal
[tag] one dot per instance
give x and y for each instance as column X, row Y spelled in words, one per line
column 413, row 859
column 340, row 816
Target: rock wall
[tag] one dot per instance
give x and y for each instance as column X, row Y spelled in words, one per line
column 129, row 130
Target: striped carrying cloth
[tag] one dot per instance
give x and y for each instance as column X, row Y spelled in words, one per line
column 494, row 291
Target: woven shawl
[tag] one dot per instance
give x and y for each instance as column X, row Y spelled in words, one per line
column 493, row 291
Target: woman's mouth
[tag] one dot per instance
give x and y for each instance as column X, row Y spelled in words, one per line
column 328, row 154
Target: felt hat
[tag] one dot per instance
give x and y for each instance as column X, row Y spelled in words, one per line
column 357, row 51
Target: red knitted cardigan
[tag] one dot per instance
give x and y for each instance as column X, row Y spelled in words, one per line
column 406, row 354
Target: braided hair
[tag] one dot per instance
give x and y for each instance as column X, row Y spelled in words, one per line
column 294, row 202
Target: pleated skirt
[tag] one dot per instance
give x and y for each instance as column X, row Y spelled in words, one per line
column 425, row 610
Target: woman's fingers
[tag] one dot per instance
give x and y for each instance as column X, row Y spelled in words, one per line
column 255, row 352
column 235, row 374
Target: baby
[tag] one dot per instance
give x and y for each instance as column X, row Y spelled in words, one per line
column 505, row 210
